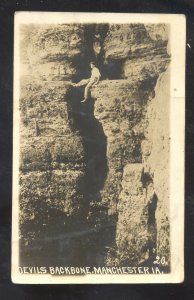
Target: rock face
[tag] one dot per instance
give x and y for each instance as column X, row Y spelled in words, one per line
column 51, row 50
column 120, row 108
column 131, row 51
column 94, row 176
column 51, row 165
column 143, row 223
column 136, row 188
column 155, row 151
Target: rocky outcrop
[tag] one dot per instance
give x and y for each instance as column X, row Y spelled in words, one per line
column 125, row 109
column 52, row 166
column 120, row 107
column 143, row 205
column 129, row 114
column 155, row 151
column 92, row 190
column 134, row 52
column 50, row 52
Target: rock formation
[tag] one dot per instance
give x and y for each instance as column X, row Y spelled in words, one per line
column 94, row 176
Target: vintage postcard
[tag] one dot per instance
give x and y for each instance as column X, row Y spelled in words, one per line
column 98, row 148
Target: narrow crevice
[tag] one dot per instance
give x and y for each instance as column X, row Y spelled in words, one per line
column 152, row 227
column 100, row 233
column 94, row 140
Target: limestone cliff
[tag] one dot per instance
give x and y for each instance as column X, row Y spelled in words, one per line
column 94, row 176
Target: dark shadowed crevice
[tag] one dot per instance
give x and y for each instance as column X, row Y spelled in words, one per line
column 113, row 69
column 100, row 232
column 94, row 35
column 94, row 141
column 146, row 179
column 152, row 228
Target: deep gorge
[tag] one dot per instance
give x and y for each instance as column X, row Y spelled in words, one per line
column 93, row 176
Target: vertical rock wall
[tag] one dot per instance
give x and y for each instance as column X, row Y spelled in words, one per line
column 130, row 113
column 52, row 164
column 155, row 150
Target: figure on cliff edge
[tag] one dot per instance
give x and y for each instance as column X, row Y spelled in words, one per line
column 93, row 80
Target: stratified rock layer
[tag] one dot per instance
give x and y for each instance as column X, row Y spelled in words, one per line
column 120, row 107
column 136, row 189
column 135, row 52
column 51, row 165
column 51, row 51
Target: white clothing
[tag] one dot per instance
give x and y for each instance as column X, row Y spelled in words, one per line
column 95, row 73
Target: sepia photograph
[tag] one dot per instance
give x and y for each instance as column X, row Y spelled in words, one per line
column 98, row 148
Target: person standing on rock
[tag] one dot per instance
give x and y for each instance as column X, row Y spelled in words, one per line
column 93, row 80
